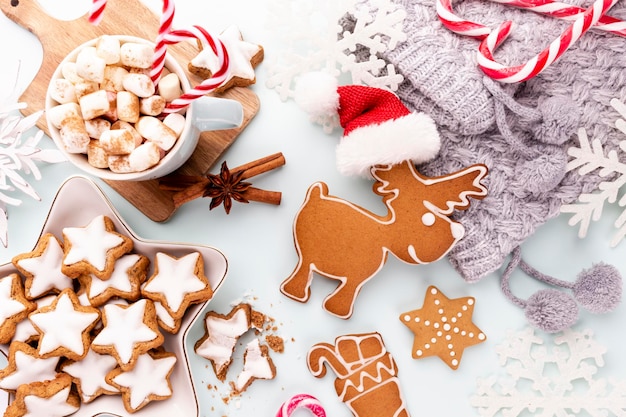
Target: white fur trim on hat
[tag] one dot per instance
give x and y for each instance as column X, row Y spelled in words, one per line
column 316, row 93
column 413, row 137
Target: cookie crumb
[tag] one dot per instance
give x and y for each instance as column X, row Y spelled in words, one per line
column 276, row 343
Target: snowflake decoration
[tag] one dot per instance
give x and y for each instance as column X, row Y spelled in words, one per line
column 589, row 157
column 315, row 41
column 558, row 381
column 18, row 157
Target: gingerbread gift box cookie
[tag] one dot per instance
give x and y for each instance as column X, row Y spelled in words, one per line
column 366, row 372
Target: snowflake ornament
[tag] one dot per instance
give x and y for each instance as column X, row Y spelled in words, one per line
column 589, row 157
column 548, row 381
column 315, row 41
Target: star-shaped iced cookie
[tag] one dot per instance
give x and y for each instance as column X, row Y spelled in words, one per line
column 128, row 332
column 257, row 364
column 64, row 327
column 178, row 282
column 42, row 268
column 26, row 366
column 47, row 398
column 443, row 327
column 14, row 307
column 93, row 248
column 155, row 367
column 89, row 375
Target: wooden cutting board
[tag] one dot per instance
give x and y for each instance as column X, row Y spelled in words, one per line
column 122, row 17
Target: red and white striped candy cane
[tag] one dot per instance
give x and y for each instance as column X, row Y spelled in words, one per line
column 160, row 49
column 546, row 57
column 96, row 11
column 306, row 401
column 208, row 85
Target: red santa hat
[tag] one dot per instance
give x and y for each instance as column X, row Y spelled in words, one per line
column 378, row 128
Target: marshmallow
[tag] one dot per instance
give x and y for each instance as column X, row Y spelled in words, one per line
column 145, row 71
column 89, row 65
column 152, row 106
column 139, row 84
column 96, row 126
column 96, row 155
column 74, row 134
column 117, row 142
column 113, row 78
column 119, row 164
column 61, row 112
column 108, row 48
column 127, row 107
column 176, row 122
column 68, row 70
column 62, row 91
column 139, row 55
column 169, row 87
column 85, row 87
column 120, row 124
column 95, row 104
column 154, row 130
column 144, row 157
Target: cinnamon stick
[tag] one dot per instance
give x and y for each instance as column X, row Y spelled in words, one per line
column 260, row 166
column 262, row 196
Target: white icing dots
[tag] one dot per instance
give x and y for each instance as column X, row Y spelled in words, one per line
column 455, row 362
column 427, row 323
column 446, row 327
column 433, row 291
column 408, row 318
column 470, row 301
column 428, row 219
column 419, row 352
column 481, row 336
column 416, row 319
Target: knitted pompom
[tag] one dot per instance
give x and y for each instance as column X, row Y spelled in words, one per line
column 599, row 288
column 551, row 310
column 561, row 117
column 542, row 174
column 316, row 94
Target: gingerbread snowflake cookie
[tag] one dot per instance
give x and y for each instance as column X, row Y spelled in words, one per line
column 243, row 57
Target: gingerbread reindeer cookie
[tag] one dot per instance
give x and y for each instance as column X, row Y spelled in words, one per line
column 347, row 243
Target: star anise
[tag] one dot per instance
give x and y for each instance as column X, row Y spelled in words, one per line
column 225, row 187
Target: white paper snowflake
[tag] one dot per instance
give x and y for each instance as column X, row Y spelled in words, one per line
column 314, row 41
column 545, row 380
column 589, row 157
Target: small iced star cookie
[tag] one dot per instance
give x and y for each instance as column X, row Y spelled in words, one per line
column 89, row 375
column 165, row 319
column 443, row 327
column 128, row 332
column 14, row 307
column 53, row 398
column 129, row 273
column 26, row 366
column 93, row 249
column 257, row 364
column 64, row 327
column 221, row 334
column 178, row 282
column 153, row 366
column 25, row 332
column 243, row 57
column 41, row 268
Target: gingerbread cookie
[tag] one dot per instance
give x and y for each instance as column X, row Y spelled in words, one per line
column 367, row 379
column 89, row 375
column 64, row 327
column 257, row 364
column 347, row 243
column 221, row 334
column 443, row 327
column 154, row 367
column 93, row 249
column 243, row 57
column 14, row 307
column 25, row 332
column 41, row 268
column 51, row 398
column 178, row 282
column 26, row 366
column 128, row 332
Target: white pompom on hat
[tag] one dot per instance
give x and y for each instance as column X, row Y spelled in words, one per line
column 378, row 128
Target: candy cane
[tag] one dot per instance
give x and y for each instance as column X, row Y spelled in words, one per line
column 160, row 49
column 208, row 85
column 551, row 8
column 546, row 57
column 301, row 401
column 96, row 12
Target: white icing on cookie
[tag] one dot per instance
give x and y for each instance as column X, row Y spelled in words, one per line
column 206, row 59
column 240, row 53
column 63, row 326
column 53, row 406
column 90, row 243
column 223, row 335
column 118, row 280
column 146, row 369
column 25, row 329
column 91, row 371
column 124, row 328
column 164, row 316
column 46, row 270
column 29, row 369
column 9, row 306
column 175, row 279
column 255, row 366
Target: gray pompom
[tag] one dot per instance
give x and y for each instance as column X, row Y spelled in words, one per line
column 551, row 310
column 599, row 288
column 542, row 174
column 561, row 117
